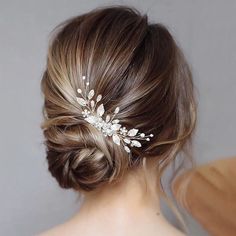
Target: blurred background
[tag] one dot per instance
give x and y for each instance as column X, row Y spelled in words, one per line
column 30, row 199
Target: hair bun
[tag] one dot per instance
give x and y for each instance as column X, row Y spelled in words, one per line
column 81, row 162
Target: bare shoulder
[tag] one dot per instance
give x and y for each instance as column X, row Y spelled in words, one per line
column 80, row 227
column 174, row 232
column 168, row 229
column 59, row 230
column 177, row 233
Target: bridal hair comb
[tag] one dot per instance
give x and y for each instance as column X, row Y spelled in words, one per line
column 108, row 125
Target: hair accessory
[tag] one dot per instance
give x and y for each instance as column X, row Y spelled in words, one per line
column 109, row 126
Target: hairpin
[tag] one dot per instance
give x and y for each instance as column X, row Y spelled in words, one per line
column 107, row 123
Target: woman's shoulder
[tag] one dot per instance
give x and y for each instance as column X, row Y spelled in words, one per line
column 175, row 232
column 62, row 230
column 83, row 227
column 170, row 231
column 58, row 230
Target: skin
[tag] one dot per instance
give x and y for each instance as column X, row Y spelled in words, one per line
column 128, row 208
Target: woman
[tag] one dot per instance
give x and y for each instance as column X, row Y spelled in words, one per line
column 119, row 106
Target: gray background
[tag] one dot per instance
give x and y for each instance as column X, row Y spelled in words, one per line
column 30, row 199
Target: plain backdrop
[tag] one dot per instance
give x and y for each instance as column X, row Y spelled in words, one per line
column 30, row 200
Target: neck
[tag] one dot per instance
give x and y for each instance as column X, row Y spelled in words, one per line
column 135, row 195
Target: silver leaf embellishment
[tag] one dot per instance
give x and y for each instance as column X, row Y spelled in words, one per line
column 126, row 140
column 127, row 149
column 99, row 97
column 132, row 132
column 116, row 121
column 90, row 94
column 115, row 126
column 92, row 103
column 116, row 139
column 117, row 110
column 81, row 101
column 100, row 110
column 107, row 118
column 91, row 119
column 136, row 143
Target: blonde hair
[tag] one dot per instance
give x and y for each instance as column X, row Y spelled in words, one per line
column 137, row 66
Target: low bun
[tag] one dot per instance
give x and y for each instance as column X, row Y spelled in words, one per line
column 80, row 158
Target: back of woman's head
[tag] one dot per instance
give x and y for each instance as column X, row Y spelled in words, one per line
column 137, row 67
